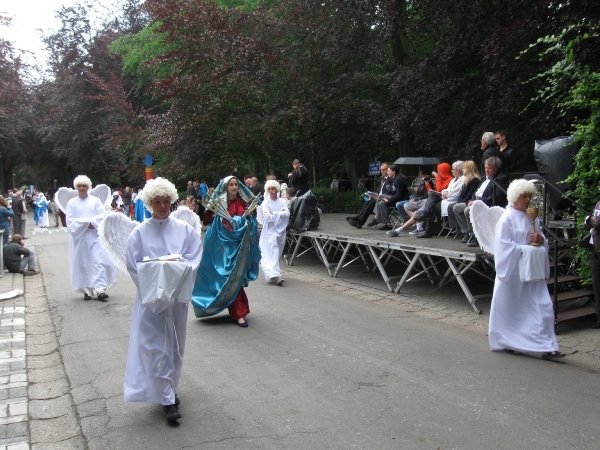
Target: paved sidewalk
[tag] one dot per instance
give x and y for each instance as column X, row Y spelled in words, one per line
column 14, row 420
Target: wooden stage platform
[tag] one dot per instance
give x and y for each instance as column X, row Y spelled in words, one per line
column 440, row 259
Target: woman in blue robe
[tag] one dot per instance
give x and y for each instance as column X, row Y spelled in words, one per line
column 231, row 252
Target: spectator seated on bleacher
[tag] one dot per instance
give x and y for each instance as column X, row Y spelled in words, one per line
column 393, row 191
column 407, row 208
column 359, row 220
column 437, row 202
column 488, row 193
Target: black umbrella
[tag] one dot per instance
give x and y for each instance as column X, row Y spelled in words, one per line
column 417, row 161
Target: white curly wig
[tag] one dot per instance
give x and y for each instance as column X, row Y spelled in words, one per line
column 270, row 183
column 82, row 179
column 519, row 187
column 158, row 187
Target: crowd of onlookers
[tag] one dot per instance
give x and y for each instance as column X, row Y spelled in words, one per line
column 444, row 194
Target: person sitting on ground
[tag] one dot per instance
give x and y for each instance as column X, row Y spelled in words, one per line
column 393, row 191
column 488, row 193
column 17, row 258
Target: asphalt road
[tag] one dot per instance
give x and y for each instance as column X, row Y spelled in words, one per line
column 316, row 370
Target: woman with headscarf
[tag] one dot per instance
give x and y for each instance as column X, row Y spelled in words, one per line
column 274, row 215
column 231, row 253
column 42, row 205
column 522, row 315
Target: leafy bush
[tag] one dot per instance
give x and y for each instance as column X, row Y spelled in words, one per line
column 573, row 85
column 349, row 202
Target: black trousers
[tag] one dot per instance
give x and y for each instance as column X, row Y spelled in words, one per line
column 437, row 210
column 366, row 211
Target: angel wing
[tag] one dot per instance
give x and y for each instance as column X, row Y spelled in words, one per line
column 101, row 191
column 62, row 197
column 113, row 232
column 187, row 215
column 484, row 220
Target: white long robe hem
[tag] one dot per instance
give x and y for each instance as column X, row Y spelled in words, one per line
column 522, row 314
column 274, row 215
column 158, row 330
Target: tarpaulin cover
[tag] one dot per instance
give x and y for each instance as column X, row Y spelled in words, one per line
column 554, row 160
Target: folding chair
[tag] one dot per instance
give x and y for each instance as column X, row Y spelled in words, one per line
column 445, row 226
column 395, row 217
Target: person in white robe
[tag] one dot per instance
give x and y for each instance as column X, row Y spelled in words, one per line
column 42, row 204
column 92, row 271
column 274, row 215
column 522, row 314
column 158, row 326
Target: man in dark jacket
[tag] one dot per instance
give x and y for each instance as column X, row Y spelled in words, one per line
column 393, row 191
column 509, row 159
column 368, row 207
column 17, row 207
column 488, row 148
column 17, row 258
column 488, row 192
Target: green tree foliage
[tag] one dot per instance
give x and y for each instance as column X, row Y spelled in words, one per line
column 257, row 88
column 572, row 88
column 213, row 86
column 14, row 115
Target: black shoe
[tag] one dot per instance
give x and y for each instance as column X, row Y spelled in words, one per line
column 171, row 412
column 103, row 297
column 465, row 238
column 86, row 297
column 424, row 235
column 177, row 402
column 473, row 243
column 355, row 223
column 386, row 228
column 243, row 324
column 349, row 218
column 372, row 223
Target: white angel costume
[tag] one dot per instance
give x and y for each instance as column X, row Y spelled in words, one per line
column 91, row 269
column 158, row 326
column 522, row 315
column 274, row 216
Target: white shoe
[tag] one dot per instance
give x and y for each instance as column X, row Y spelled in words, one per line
column 280, row 281
column 417, row 231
